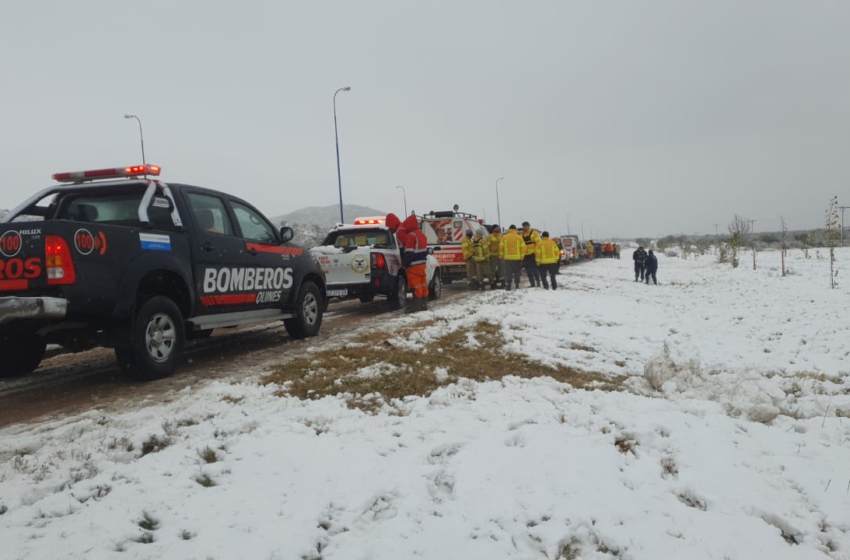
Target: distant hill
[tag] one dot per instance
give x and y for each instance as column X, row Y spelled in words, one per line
column 311, row 224
column 326, row 216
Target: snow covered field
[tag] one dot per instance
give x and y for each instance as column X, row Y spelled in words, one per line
column 730, row 439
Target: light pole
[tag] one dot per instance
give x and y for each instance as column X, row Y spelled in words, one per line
column 498, row 210
column 842, row 208
column 403, row 192
column 568, row 225
column 142, row 138
column 582, row 231
column 715, row 229
column 338, row 172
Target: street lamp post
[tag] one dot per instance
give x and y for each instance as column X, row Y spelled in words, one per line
column 498, row 210
column 404, row 192
column 582, row 230
column 142, row 138
column 338, row 172
column 842, row 208
column 568, row 225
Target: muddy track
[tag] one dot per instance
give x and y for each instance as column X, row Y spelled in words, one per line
column 72, row 383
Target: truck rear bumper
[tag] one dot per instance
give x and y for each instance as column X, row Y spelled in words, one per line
column 13, row 308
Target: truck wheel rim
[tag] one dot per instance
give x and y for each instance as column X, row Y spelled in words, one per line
column 311, row 309
column 160, row 336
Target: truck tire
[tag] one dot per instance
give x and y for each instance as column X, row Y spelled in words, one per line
column 158, row 339
column 309, row 309
column 398, row 299
column 22, row 353
column 435, row 290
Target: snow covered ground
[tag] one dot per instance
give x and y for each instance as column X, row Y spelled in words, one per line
column 728, row 440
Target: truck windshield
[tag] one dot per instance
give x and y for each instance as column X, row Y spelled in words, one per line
column 359, row 238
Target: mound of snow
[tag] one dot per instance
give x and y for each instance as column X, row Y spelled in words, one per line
column 677, row 371
column 673, row 370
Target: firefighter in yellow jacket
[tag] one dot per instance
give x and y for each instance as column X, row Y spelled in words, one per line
column 467, row 247
column 531, row 238
column 481, row 256
column 590, row 250
column 512, row 250
column 547, row 254
column 497, row 262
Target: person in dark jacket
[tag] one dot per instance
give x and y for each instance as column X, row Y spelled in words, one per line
column 639, row 256
column 651, row 267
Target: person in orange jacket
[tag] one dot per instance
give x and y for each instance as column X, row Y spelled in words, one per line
column 415, row 255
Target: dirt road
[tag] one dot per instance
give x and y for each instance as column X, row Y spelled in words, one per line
column 72, row 383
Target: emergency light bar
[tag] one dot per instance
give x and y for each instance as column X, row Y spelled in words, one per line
column 110, row 173
column 367, row 222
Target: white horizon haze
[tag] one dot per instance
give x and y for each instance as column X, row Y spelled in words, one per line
column 629, row 119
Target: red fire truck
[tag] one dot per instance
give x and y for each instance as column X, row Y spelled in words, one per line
column 444, row 231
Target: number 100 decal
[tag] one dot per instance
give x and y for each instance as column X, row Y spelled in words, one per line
column 10, row 244
column 85, row 242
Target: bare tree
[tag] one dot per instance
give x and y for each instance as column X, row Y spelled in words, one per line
column 832, row 235
column 738, row 228
column 784, row 239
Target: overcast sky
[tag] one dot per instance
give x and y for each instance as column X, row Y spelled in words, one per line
column 633, row 117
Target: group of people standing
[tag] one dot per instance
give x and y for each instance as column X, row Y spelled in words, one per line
column 606, row 250
column 500, row 258
column 646, row 265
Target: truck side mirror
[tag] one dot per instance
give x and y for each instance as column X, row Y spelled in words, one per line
column 286, row 234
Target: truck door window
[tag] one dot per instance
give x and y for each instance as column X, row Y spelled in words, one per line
column 254, row 227
column 210, row 214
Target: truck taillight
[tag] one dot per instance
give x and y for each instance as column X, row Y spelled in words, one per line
column 58, row 261
column 378, row 260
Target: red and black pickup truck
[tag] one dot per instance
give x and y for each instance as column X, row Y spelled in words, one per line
column 117, row 258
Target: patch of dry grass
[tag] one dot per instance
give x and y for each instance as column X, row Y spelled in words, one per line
column 415, row 372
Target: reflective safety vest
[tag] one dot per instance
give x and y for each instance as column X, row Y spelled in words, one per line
column 513, row 246
column 531, row 239
column 480, row 249
column 495, row 243
column 466, row 245
column 547, row 252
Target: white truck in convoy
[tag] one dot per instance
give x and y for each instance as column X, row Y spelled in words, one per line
column 364, row 260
